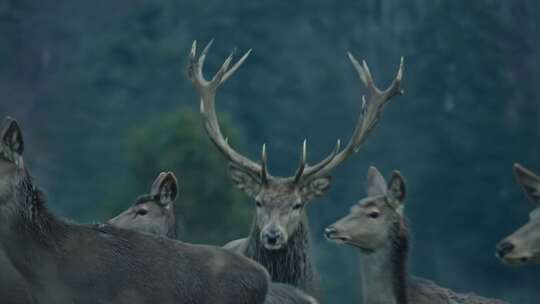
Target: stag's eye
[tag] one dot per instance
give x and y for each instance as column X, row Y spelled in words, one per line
column 142, row 212
column 374, row 214
column 297, row 206
column 258, row 204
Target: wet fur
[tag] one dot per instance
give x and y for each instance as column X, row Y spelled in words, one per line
column 399, row 253
column 69, row 263
column 291, row 264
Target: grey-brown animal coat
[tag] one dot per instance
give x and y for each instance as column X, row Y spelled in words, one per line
column 376, row 226
column 64, row 262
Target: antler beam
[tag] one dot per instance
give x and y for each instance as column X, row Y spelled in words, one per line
column 371, row 111
column 207, row 90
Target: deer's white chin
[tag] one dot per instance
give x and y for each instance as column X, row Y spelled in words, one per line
column 273, row 246
column 516, row 260
column 345, row 240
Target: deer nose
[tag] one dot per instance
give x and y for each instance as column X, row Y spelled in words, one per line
column 329, row 231
column 504, row 248
column 272, row 236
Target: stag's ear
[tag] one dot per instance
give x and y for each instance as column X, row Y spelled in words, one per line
column 244, row 181
column 12, row 141
column 396, row 189
column 376, row 184
column 315, row 188
column 166, row 187
column 529, row 181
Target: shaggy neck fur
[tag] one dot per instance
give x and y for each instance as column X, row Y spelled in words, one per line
column 291, row 264
column 384, row 270
column 32, row 232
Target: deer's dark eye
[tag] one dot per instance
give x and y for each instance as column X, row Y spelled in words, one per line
column 258, row 204
column 297, row 206
column 142, row 212
column 374, row 214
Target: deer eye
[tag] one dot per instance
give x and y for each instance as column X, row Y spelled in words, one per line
column 142, row 212
column 297, row 206
column 258, row 204
column 374, row 214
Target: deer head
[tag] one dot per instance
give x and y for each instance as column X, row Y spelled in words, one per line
column 523, row 246
column 152, row 213
column 280, row 201
column 372, row 222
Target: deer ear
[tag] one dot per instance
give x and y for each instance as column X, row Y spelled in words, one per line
column 315, row 188
column 166, row 188
column 154, row 190
column 244, row 181
column 376, row 184
column 12, row 141
column 529, row 181
column 396, row 189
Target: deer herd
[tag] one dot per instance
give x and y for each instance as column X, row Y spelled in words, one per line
column 136, row 257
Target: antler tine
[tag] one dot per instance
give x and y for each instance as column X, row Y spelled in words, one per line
column 235, row 66
column 327, row 160
column 202, row 58
column 363, row 71
column 264, row 165
column 370, row 113
column 207, row 91
column 302, row 166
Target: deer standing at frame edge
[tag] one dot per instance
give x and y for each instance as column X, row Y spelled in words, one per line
column 279, row 237
column 523, row 245
column 67, row 263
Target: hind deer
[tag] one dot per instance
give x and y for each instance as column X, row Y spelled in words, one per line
column 63, row 262
column 376, row 226
column 523, row 246
column 279, row 237
column 151, row 213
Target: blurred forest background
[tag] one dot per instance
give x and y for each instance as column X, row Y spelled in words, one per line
column 101, row 91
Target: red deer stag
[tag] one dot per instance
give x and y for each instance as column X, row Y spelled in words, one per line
column 279, row 236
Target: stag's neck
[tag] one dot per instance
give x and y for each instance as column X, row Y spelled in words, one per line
column 291, row 264
column 383, row 272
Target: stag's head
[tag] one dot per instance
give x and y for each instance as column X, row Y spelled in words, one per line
column 280, row 201
column 523, row 246
column 154, row 212
column 376, row 219
column 11, row 157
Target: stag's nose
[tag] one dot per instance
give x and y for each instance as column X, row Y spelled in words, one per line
column 504, row 248
column 329, row 232
column 272, row 237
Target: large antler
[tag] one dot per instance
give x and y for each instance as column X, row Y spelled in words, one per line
column 371, row 112
column 207, row 91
